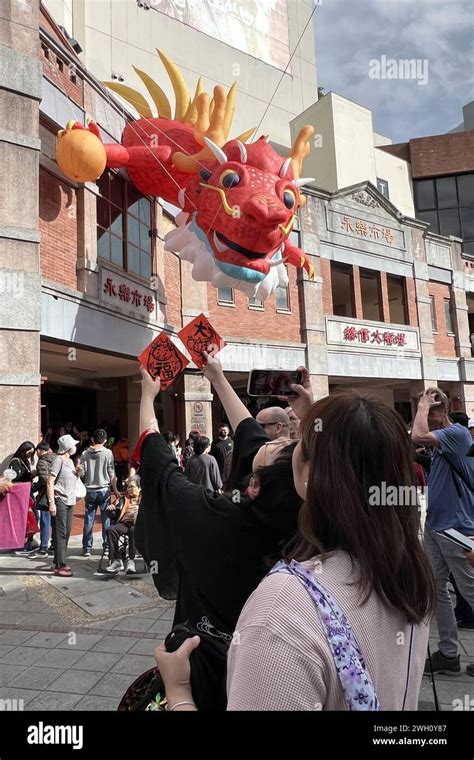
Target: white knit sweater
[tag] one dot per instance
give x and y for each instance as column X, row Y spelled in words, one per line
column 280, row 658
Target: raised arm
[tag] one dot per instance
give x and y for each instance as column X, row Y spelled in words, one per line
column 234, row 408
column 303, row 399
column 421, row 431
column 150, row 389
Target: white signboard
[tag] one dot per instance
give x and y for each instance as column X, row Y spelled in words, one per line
column 355, row 334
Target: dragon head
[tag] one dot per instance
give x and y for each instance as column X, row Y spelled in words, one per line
column 239, row 210
column 239, row 200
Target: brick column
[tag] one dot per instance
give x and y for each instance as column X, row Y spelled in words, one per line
column 357, row 293
column 411, row 302
column 383, row 297
column 325, row 267
column 20, row 282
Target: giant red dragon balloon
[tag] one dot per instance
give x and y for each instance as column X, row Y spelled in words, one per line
column 239, row 199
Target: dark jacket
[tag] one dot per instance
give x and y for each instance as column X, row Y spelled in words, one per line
column 202, row 470
column 42, row 469
column 215, row 545
column 220, row 449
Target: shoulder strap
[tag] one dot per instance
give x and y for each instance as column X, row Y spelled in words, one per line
column 22, row 465
column 459, row 473
column 433, row 684
column 355, row 680
column 410, row 651
column 60, row 469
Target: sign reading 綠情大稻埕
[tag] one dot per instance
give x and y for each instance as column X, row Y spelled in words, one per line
column 363, row 335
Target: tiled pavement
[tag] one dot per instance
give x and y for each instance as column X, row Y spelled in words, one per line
column 451, row 689
column 77, row 644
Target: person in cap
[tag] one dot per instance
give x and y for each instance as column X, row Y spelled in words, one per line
column 61, row 493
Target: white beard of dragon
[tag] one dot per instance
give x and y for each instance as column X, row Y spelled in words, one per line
column 188, row 245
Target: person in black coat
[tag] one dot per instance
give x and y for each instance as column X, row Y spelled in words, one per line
column 211, row 550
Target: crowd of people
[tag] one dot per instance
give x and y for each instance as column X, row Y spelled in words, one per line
column 323, row 597
column 269, row 542
column 60, row 479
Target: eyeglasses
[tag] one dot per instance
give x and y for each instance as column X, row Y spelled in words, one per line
column 266, row 424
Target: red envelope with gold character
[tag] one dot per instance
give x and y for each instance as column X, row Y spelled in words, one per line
column 200, row 336
column 162, row 359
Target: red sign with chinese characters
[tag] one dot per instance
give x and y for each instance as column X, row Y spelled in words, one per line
column 127, row 294
column 161, row 358
column 200, row 336
column 363, row 335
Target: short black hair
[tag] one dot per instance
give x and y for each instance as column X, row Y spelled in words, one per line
column 201, row 445
column 169, row 437
column 99, row 436
column 42, row 446
column 460, row 418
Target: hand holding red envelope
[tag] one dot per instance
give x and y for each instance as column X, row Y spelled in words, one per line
column 200, row 336
column 162, row 358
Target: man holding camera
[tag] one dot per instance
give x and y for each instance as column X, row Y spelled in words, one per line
column 450, row 505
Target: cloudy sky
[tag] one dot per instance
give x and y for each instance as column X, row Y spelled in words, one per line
column 351, row 33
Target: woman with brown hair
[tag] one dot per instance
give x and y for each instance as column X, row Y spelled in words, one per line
column 342, row 623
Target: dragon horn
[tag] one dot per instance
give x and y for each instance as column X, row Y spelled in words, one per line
column 245, row 135
column 218, row 152
column 300, row 149
column 229, row 109
column 285, row 166
column 243, row 152
column 302, row 181
column 159, row 98
column 191, row 114
column 179, row 86
column 133, row 97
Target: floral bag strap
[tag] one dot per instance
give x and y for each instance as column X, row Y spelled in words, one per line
column 359, row 692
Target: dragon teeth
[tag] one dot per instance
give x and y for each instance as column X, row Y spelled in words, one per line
column 220, row 246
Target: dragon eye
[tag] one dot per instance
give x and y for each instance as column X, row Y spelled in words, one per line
column 289, row 199
column 229, row 178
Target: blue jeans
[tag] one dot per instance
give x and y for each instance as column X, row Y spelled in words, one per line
column 93, row 500
column 45, row 528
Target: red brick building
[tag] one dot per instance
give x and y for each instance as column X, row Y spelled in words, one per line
column 383, row 313
column 387, row 311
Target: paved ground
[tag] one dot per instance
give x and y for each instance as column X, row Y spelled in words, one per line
column 75, row 643
column 78, row 643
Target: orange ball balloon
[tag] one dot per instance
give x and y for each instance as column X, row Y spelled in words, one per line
column 80, row 155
